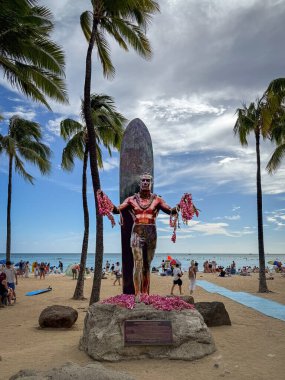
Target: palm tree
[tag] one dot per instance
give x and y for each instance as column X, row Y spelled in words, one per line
column 23, row 142
column 30, row 60
column 126, row 22
column 259, row 118
column 109, row 131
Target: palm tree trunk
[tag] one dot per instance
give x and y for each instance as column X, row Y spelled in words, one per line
column 8, row 239
column 95, row 295
column 262, row 277
column 79, row 289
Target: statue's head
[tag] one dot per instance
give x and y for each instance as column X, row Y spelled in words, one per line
column 145, row 181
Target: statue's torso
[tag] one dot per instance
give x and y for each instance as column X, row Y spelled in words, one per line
column 145, row 210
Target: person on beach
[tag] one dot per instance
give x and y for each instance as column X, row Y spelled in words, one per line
column 192, row 277
column 60, row 266
column 118, row 274
column 107, row 266
column 12, row 279
column 3, row 289
column 27, row 269
column 42, row 270
column 177, row 274
column 75, row 271
column 21, row 268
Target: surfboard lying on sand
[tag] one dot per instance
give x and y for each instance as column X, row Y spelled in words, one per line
column 40, row 291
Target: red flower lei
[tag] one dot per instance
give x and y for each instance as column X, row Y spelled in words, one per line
column 105, row 206
column 187, row 209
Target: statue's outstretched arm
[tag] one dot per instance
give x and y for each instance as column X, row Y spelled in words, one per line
column 121, row 207
column 167, row 209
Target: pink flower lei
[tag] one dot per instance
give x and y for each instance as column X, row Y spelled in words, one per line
column 105, row 206
column 187, row 209
column 158, row 302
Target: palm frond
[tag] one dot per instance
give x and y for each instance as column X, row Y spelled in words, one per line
column 86, row 19
column 19, row 167
column 245, row 124
column 27, row 53
column 69, row 127
column 74, row 148
column 111, row 29
column 19, row 80
column 103, row 50
column 36, row 153
column 276, row 159
column 99, row 157
column 133, row 34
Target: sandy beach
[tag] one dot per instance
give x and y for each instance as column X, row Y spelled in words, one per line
column 252, row 348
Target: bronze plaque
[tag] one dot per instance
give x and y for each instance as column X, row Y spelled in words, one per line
column 148, row 333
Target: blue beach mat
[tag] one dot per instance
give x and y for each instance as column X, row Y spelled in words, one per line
column 271, row 308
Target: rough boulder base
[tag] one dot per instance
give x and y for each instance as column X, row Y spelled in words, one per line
column 103, row 335
column 75, row 372
column 57, row 316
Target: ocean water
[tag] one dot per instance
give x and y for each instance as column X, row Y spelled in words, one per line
column 185, row 259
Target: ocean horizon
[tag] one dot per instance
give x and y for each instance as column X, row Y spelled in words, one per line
column 224, row 259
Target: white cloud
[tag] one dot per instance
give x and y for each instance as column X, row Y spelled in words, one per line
column 111, row 163
column 53, row 126
column 277, row 218
column 233, row 217
column 21, row 111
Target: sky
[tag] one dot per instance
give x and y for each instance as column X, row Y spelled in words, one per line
column 209, row 58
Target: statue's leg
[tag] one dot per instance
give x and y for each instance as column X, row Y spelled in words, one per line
column 138, row 266
column 146, row 270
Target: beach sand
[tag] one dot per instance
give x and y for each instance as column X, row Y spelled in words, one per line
column 252, row 348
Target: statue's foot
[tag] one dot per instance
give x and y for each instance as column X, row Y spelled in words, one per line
column 138, row 298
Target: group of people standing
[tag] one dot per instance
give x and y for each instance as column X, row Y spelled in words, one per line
column 114, row 269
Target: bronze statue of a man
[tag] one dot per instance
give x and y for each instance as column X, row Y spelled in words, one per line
column 144, row 208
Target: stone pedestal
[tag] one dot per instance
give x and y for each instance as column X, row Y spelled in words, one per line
column 103, row 334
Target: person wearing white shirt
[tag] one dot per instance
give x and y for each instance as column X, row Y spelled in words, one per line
column 118, row 274
column 177, row 274
column 12, row 279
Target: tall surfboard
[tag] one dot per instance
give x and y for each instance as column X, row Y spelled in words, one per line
column 136, row 158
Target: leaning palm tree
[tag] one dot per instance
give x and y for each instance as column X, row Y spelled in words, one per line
column 109, row 131
column 23, row 142
column 126, row 22
column 29, row 59
column 259, row 118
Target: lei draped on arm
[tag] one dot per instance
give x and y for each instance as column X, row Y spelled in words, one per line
column 187, row 209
